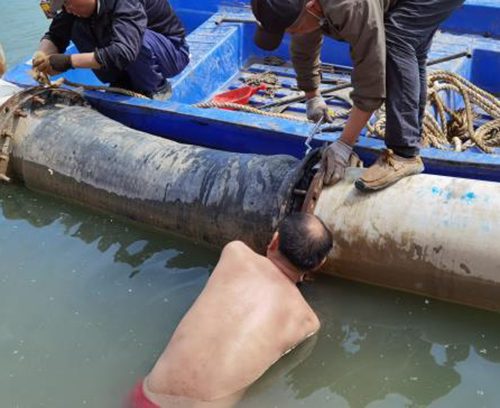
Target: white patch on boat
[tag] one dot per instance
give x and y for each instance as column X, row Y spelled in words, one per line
column 7, row 90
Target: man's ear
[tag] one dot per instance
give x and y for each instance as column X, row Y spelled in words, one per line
column 275, row 242
column 321, row 264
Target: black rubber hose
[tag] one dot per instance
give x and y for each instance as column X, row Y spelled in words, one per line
column 207, row 195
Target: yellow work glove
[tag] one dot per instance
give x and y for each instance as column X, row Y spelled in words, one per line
column 41, row 63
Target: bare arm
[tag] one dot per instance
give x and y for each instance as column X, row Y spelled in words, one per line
column 86, row 60
column 356, row 122
column 47, row 47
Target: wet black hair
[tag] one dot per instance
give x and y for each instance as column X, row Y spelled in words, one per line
column 304, row 240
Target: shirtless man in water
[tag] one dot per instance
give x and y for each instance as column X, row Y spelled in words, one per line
column 249, row 315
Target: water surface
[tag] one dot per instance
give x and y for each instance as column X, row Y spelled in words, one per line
column 88, row 301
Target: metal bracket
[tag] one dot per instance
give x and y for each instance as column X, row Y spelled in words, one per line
column 19, row 108
column 314, row 191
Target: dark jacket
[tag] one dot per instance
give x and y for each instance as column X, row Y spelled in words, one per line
column 115, row 31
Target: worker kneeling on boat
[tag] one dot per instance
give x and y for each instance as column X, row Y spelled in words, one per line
column 131, row 44
column 389, row 42
column 249, row 314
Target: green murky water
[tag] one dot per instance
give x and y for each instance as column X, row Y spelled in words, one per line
column 88, row 301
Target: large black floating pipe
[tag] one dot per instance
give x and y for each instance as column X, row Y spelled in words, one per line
column 435, row 236
column 72, row 151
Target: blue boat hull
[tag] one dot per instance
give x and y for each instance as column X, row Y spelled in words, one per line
column 222, row 54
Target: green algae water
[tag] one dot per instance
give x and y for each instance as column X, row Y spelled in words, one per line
column 88, row 302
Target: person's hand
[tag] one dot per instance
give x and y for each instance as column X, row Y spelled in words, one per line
column 51, row 64
column 316, row 109
column 336, row 158
column 41, row 61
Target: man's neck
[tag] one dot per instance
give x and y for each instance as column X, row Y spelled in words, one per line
column 285, row 267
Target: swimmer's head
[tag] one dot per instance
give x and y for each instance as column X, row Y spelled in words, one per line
column 304, row 240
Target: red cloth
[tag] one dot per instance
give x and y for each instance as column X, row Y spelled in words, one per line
column 138, row 399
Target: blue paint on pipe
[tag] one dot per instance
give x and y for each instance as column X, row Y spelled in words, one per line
column 468, row 197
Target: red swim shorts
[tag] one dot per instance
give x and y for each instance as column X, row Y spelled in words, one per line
column 138, row 398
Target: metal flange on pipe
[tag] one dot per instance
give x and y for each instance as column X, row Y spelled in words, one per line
column 431, row 235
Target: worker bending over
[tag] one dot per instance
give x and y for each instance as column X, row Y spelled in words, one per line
column 389, row 42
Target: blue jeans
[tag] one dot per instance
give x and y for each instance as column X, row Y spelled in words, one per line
column 409, row 29
column 159, row 58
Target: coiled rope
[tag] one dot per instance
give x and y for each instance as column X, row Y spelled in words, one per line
column 443, row 128
column 446, row 129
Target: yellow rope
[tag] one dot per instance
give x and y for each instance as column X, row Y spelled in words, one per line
column 44, row 79
column 105, row 89
column 248, row 109
column 456, row 130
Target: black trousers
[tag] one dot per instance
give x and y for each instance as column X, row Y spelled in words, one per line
column 409, row 29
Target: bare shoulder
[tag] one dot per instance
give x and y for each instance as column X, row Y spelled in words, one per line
column 237, row 256
column 239, row 250
column 236, row 246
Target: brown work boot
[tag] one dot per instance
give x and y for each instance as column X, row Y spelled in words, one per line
column 388, row 169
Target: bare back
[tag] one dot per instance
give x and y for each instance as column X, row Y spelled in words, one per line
column 248, row 316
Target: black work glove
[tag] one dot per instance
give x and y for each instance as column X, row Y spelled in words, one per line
column 60, row 62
